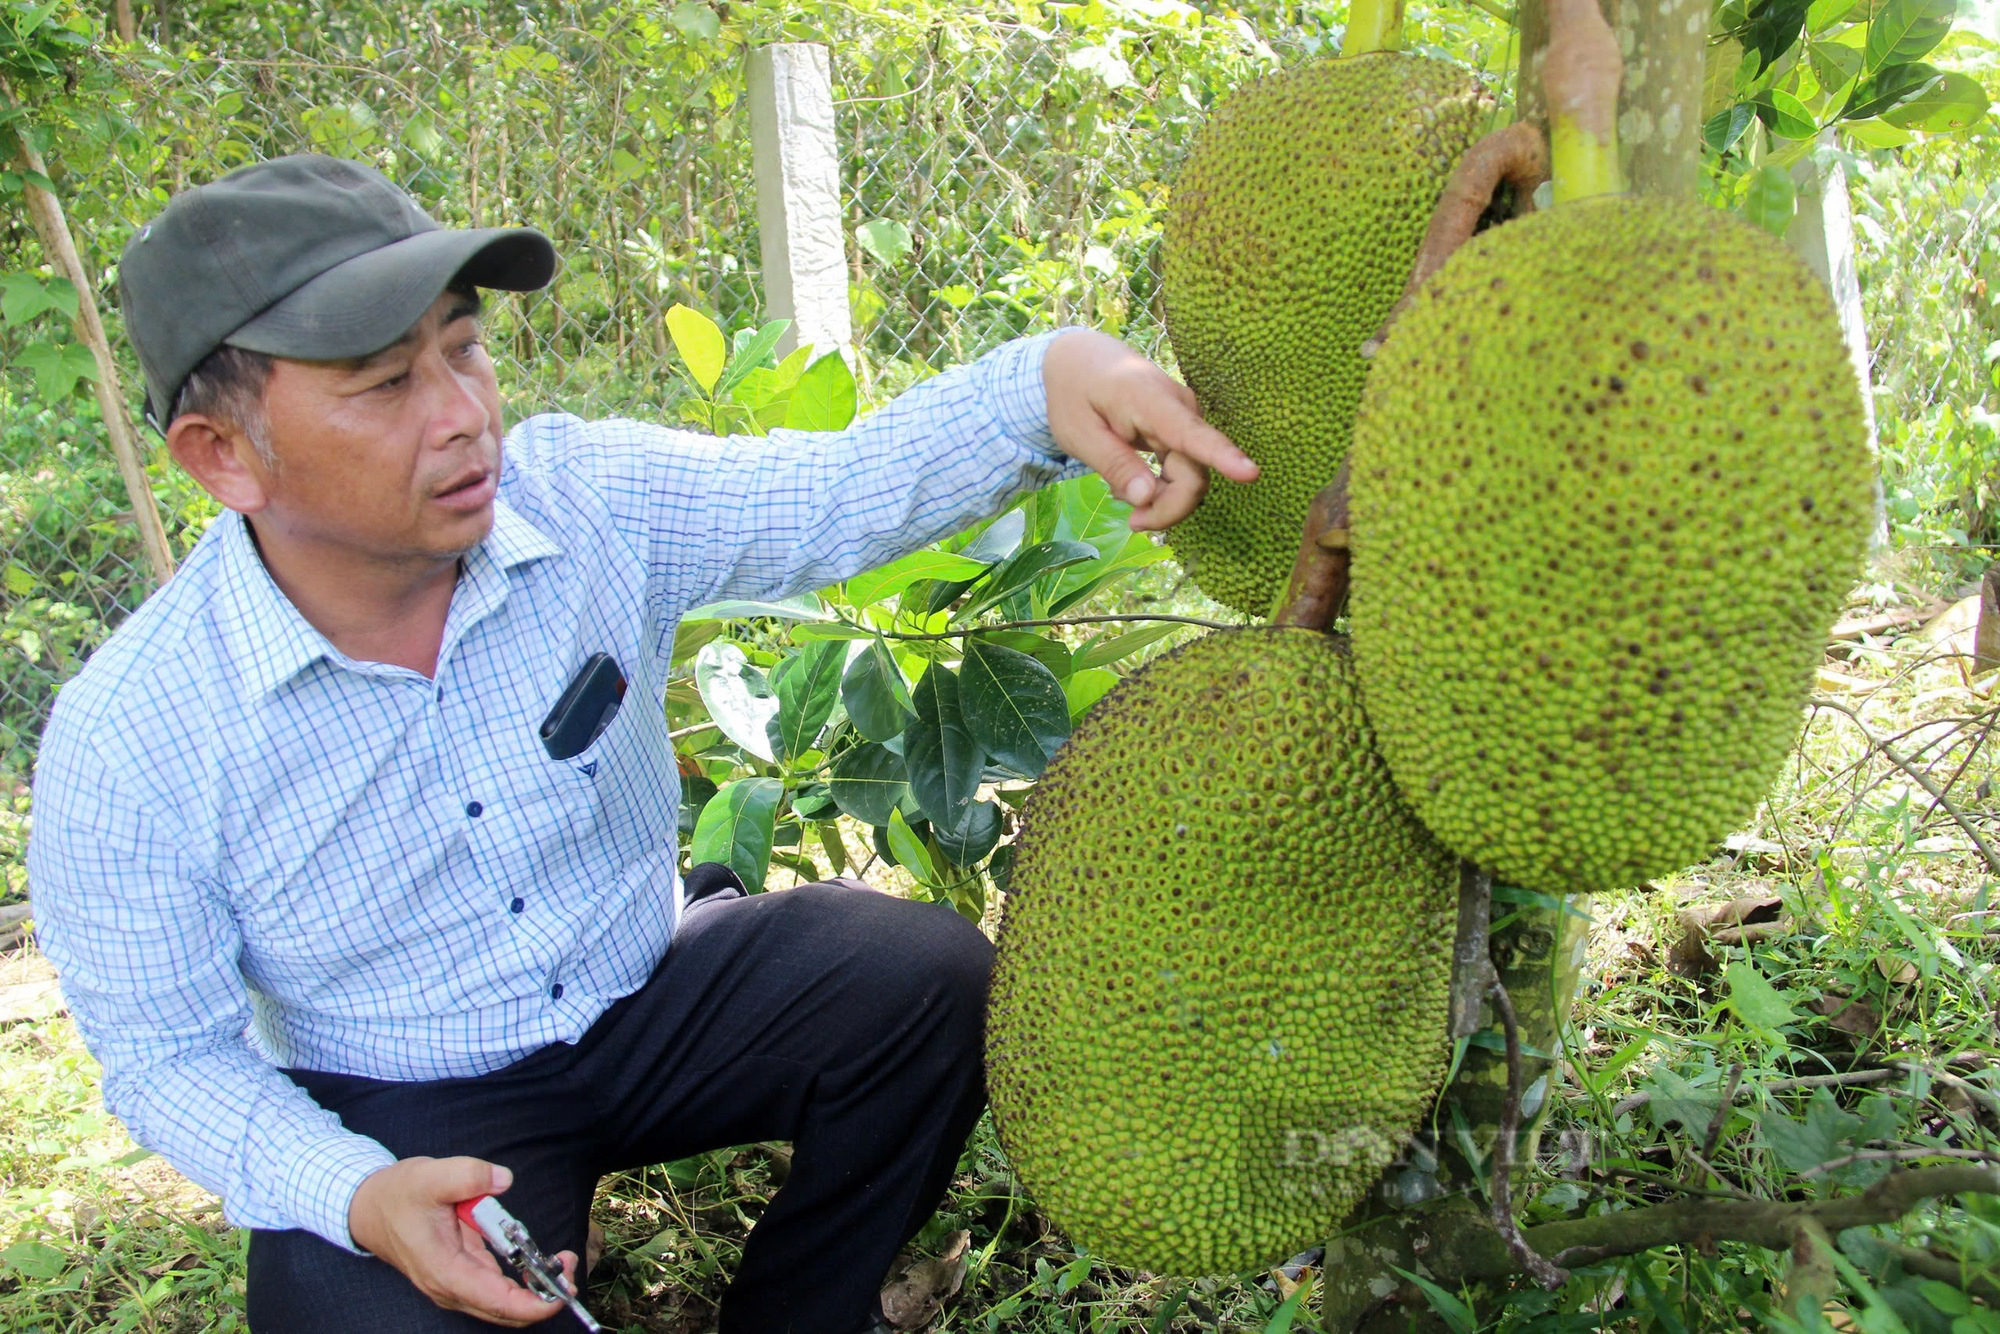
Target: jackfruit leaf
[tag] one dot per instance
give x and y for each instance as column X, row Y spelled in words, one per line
column 968, row 844
column 897, row 575
column 738, row 697
column 751, row 352
column 998, row 539
column 1785, row 115
column 1000, row 870
column 1771, row 200
column 1773, row 27
column 1014, row 706
column 696, row 792
column 808, row 686
column 1109, row 648
column 690, row 636
column 909, row 850
column 945, row 762
column 1835, row 66
column 1675, row 1101
column 1724, row 128
column 824, row 399
column 1085, row 688
column 868, row 781
column 1906, row 30
column 700, row 343
column 875, row 695
column 1888, row 89
column 812, row 632
column 736, row 827
column 814, row 801
column 804, row 607
column 1755, row 1001
column 1051, row 653
column 884, row 240
column 834, row 845
column 1952, row 103
column 1021, row 569
column 1823, row 14
column 1876, row 134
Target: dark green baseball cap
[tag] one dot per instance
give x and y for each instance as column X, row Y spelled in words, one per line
column 307, row 257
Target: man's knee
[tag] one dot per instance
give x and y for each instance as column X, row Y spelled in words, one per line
column 930, row 955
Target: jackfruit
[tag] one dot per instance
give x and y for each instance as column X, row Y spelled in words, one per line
column 1290, row 234
column 1220, row 1004
column 1610, row 483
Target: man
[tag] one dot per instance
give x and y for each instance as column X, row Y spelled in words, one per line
column 351, row 942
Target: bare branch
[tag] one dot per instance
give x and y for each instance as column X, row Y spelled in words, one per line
column 1897, row 1156
column 1921, row 779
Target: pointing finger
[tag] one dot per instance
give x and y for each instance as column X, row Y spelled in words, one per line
column 1183, row 483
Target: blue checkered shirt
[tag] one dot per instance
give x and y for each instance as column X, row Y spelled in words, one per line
column 250, row 850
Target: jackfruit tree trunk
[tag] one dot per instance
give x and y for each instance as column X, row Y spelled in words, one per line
column 1536, row 946
column 1659, row 103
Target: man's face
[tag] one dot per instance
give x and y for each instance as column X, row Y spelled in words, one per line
column 393, row 456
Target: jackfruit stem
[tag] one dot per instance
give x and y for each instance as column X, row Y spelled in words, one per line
column 1580, row 78
column 1318, row 587
column 1515, row 156
column 1373, row 25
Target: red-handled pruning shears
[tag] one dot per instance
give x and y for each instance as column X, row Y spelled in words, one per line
column 511, row 1242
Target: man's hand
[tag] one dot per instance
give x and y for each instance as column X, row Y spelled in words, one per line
column 1106, row 402
column 403, row 1214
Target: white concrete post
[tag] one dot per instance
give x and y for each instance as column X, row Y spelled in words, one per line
column 1822, row 233
column 798, row 195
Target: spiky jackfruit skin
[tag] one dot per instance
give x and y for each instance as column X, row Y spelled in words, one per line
column 1290, row 234
column 1220, row 1002
column 1610, row 484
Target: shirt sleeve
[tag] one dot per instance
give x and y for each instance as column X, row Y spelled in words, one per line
column 745, row 516
column 147, row 956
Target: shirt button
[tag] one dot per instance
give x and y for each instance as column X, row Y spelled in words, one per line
column 474, row 809
column 440, row 694
column 517, row 905
column 555, row 992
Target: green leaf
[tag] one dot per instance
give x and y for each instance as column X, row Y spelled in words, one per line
column 1954, row 102
column 866, row 589
column 24, row 296
column 909, row 850
column 1756, row 1002
column 1445, row 1305
column 20, row 582
column 1820, row 1138
column 1104, row 651
column 1014, row 707
column 1772, row 200
column 1288, row 1311
column 700, row 343
column 1085, row 688
column 57, row 368
column 1876, row 134
column 751, row 354
column 804, row 607
column 1675, row 1101
column 1786, row 116
column 885, row 241
column 1888, row 89
column 868, row 781
column 944, row 760
column 35, row 1260
column 1724, row 128
column 1051, row 653
column 812, row 631
column 875, row 695
column 808, row 685
column 1823, row 14
column 1023, row 568
column 1906, row 30
column 824, row 399
column 694, row 19
column 977, row 835
column 1835, row 65
column 738, row 697
column 736, row 827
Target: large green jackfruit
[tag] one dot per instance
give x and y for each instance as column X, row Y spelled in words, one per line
column 1220, row 1003
column 1291, row 232
column 1610, row 484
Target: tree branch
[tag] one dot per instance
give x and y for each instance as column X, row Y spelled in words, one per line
column 1921, row 779
column 1023, row 625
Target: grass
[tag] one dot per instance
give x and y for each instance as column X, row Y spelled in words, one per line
column 1887, row 953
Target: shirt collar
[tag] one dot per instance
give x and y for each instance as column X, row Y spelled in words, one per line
column 274, row 643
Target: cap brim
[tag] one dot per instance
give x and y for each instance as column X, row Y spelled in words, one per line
column 365, row 304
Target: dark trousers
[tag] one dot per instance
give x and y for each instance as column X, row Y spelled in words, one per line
column 845, row 1021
